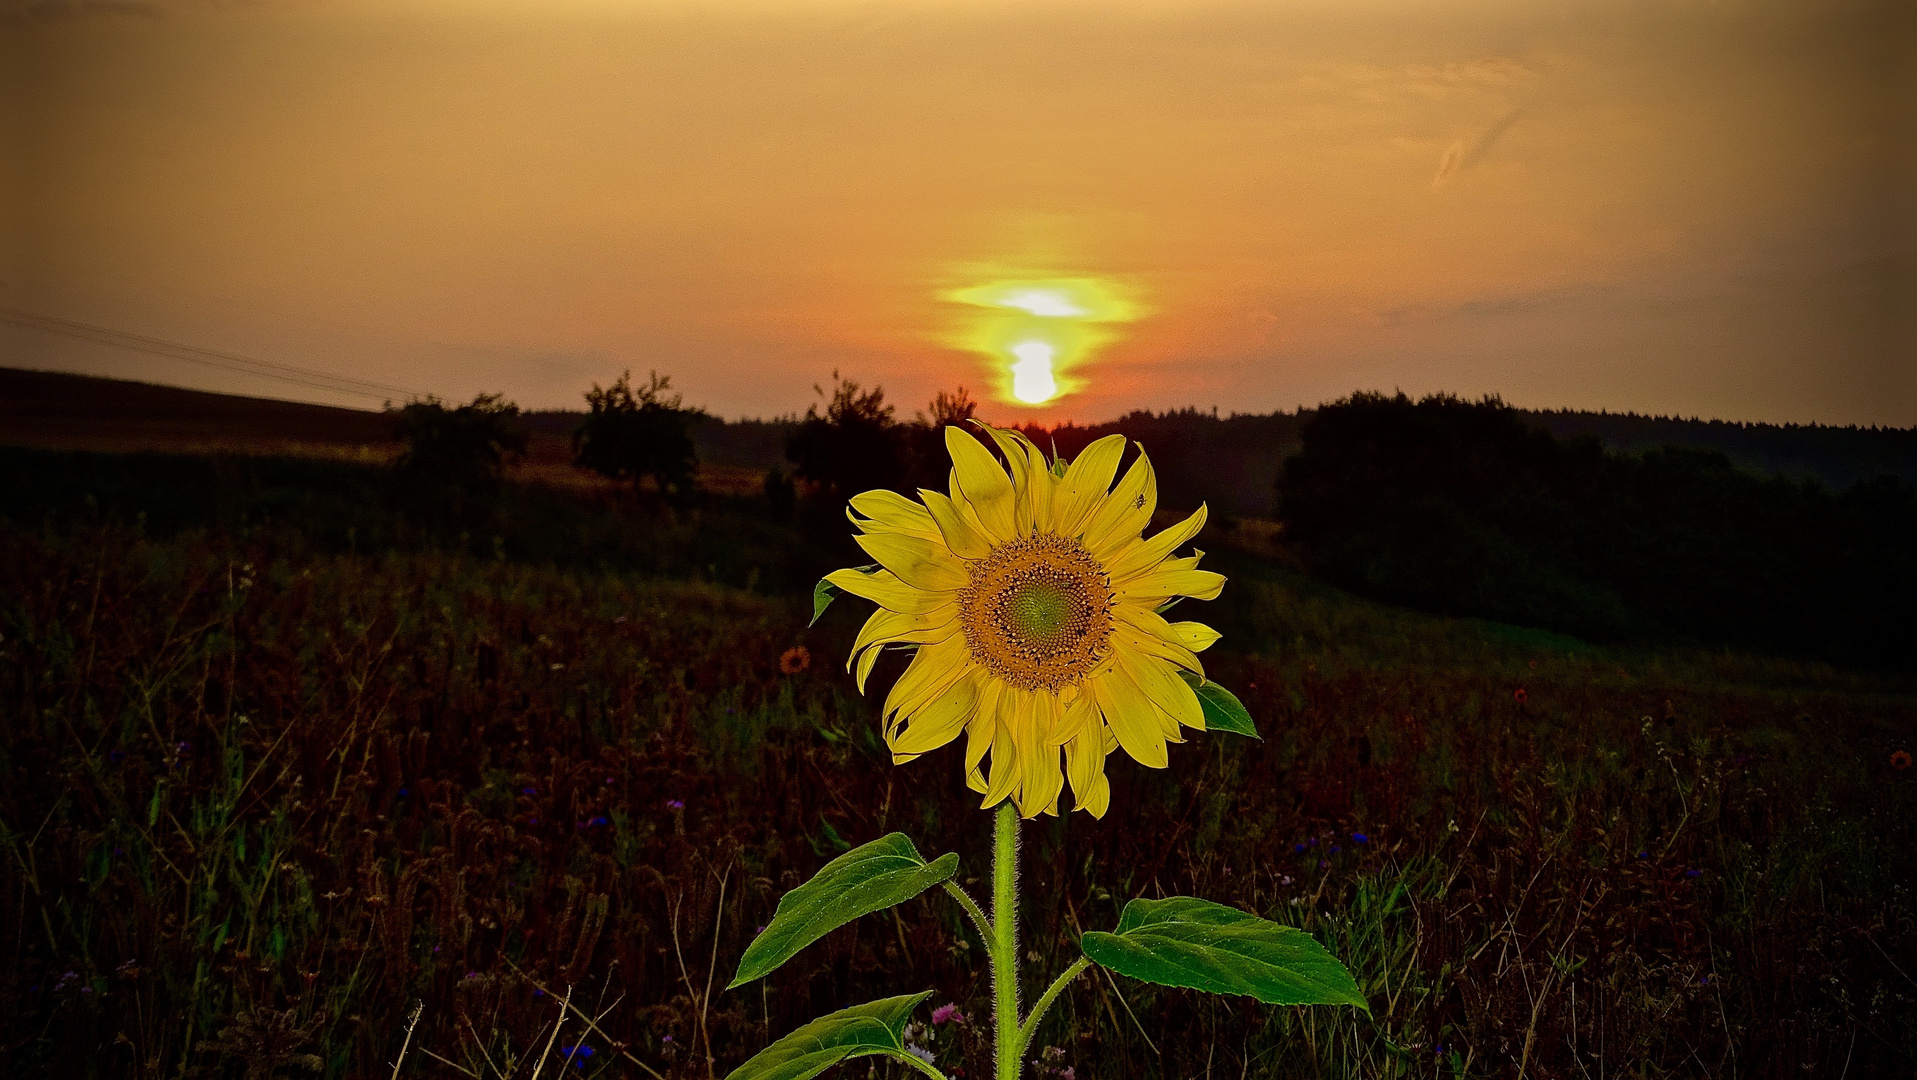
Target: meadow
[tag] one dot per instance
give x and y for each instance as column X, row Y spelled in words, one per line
column 308, row 774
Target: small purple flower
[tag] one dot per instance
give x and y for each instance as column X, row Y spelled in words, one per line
column 577, row 1054
column 1360, row 838
column 119, row 851
column 472, row 974
column 403, row 792
column 919, row 1052
column 666, row 1038
column 1643, row 854
column 675, row 804
column 757, row 930
column 948, row 1014
column 538, row 992
column 1299, row 848
column 1693, row 873
column 529, row 791
column 1335, row 849
column 183, row 748
column 1313, row 842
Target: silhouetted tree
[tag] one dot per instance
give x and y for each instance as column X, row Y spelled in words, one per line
column 925, row 438
column 632, row 432
column 462, row 447
column 854, row 445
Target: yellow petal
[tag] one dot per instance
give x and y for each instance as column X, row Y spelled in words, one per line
column 1085, row 767
column 890, row 627
column 929, row 674
column 1074, row 717
column 1031, row 479
column 1085, row 484
column 921, row 562
column 1161, row 585
column 1168, row 693
column 984, row 723
column 982, row 484
column 1144, row 556
column 889, row 510
column 961, row 531
column 1194, row 635
column 1125, row 512
column 1005, row 773
column 1129, row 635
column 1042, row 779
column 1132, row 718
column 884, row 588
column 885, row 627
column 940, row 722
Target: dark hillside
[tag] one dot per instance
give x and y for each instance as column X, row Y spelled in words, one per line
column 1465, row 507
column 1836, row 456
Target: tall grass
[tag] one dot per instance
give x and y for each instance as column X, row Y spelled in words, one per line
column 268, row 796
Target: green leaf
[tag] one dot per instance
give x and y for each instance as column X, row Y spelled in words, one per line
column 1223, row 710
column 868, row 878
column 877, row 1027
column 825, row 592
column 1184, row 941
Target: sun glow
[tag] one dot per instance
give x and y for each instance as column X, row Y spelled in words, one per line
column 1032, row 380
column 1036, row 331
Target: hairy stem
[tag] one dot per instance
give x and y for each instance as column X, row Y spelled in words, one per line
column 1005, row 938
column 1030, row 1027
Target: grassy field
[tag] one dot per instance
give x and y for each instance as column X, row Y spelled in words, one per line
column 294, row 757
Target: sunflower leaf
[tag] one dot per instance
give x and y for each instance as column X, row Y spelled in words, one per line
column 870, row 877
column 825, row 592
column 1223, row 710
column 1185, row 941
column 876, row 1027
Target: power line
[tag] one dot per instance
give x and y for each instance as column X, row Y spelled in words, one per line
column 225, row 361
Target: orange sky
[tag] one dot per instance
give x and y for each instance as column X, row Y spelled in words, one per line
column 1684, row 207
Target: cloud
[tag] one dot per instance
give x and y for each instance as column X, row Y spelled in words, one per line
column 1460, row 155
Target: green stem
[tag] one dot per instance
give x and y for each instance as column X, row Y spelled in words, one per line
column 1030, row 1026
column 1005, row 938
column 914, row 1061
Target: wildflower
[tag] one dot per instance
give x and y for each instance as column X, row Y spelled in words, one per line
column 1360, row 838
column 528, row 791
column 948, row 1014
column 1518, row 695
column 794, row 660
column 1033, row 601
column 675, row 804
column 577, row 1054
column 919, row 1052
column 1900, row 760
column 1693, row 873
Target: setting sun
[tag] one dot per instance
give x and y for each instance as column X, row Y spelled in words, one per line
column 1036, row 331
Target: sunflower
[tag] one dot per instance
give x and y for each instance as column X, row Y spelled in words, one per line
column 1033, row 603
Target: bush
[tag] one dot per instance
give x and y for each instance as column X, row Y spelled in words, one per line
column 461, row 447
column 633, row 433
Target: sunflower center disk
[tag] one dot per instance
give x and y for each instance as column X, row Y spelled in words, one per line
column 1037, row 612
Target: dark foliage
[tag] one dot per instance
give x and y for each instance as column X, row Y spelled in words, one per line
column 854, row 445
column 462, row 447
column 634, row 432
column 1466, row 507
column 267, row 796
column 857, row 444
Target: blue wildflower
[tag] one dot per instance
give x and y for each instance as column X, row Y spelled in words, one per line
column 1360, row 838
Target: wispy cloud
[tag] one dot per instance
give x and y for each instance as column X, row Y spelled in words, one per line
column 1461, row 155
